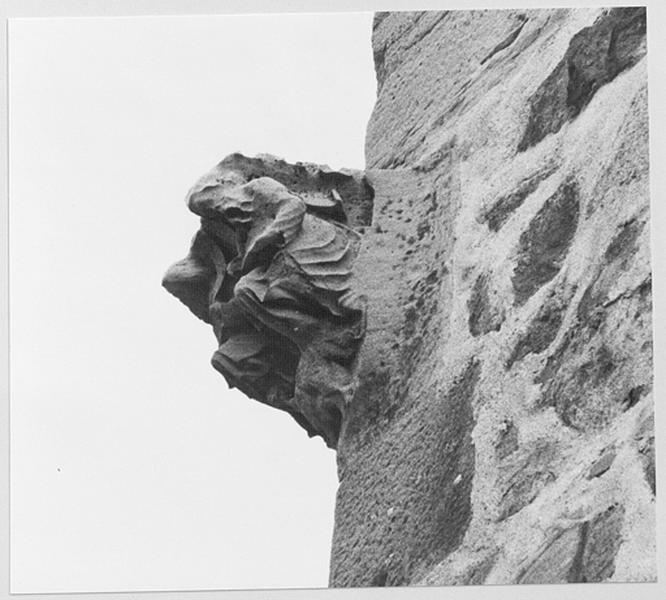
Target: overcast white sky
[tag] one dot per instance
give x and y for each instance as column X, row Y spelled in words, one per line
column 132, row 465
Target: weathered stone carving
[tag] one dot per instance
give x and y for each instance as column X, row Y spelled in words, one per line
column 501, row 428
column 270, row 270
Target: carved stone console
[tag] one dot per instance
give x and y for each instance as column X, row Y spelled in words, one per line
column 271, row 269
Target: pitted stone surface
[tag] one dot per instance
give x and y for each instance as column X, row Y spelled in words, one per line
column 527, row 254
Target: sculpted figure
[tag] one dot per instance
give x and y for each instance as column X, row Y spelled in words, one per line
column 273, row 279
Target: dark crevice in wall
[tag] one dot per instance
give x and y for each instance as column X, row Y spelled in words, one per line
column 596, row 55
column 507, row 41
column 544, row 244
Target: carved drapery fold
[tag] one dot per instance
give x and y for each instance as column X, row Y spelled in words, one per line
column 270, row 270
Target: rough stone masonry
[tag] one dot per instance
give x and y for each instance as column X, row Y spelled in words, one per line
column 468, row 321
